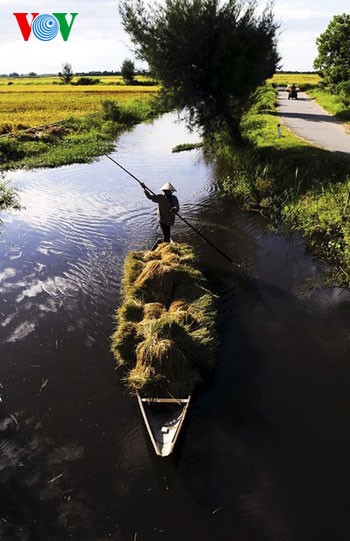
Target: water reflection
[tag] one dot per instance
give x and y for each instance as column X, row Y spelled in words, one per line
column 76, row 462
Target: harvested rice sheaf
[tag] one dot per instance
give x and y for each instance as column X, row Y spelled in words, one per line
column 165, row 336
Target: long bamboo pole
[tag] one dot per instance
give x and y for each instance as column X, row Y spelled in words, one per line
column 143, row 185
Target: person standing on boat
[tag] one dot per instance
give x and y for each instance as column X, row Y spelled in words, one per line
column 168, row 206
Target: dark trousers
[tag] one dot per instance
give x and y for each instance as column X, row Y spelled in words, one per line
column 166, row 232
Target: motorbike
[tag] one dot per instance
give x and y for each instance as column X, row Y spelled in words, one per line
column 292, row 93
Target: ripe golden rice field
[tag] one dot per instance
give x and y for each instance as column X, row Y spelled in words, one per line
column 30, row 102
column 297, row 78
column 33, row 101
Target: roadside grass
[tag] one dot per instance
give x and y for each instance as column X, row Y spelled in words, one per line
column 288, row 180
column 335, row 104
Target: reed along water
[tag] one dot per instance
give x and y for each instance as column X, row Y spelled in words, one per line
column 264, row 454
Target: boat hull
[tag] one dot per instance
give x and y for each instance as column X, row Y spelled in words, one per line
column 163, row 418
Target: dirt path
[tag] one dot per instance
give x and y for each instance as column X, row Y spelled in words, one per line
column 309, row 121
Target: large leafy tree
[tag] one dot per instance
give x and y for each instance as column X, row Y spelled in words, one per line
column 333, row 60
column 210, row 56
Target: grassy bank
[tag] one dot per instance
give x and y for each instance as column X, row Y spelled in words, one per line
column 336, row 105
column 165, row 337
column 288, row 180
column 93, row 117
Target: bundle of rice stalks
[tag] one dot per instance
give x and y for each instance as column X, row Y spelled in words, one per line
column 153, row 310
column 180, row 313
column 162, row 364
column 179, row 253
column 166, row 333
column 132, row 310
column 178, row 305
column 155, row 282
column 133, row 265
column 125, row 339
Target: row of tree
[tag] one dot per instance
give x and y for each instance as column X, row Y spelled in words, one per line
column 128, row 73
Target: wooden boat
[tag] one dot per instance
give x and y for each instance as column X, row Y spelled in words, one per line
column 158, row 242
column 163, row 418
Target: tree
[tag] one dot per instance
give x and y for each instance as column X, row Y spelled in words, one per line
column 209, row 56
column 128, row 71
column 67, row 73
column 333, row 60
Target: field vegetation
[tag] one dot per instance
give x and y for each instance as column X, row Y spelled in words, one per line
column 302, row 80
column 92, row 116
column 31, row 102
column 290, row 181
column 284, row 178
column 165, row 338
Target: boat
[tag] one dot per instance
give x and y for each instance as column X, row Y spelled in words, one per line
column 158, row 242
column 164, row 393
column 163, row 418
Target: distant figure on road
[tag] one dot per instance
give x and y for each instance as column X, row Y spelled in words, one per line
column 168, row 206
column 292, row 91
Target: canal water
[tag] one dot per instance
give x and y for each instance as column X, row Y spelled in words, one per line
column 265, row 451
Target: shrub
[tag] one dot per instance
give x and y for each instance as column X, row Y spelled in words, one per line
column 5, row 128
column 112, row 111
column 10, row 150
column 8, row 196
column 86, row 81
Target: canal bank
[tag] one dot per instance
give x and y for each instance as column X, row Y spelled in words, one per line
column 264, row 450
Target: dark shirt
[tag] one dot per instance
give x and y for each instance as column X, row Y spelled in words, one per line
column 167, row 207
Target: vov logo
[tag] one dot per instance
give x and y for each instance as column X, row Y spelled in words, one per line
column 45, row 27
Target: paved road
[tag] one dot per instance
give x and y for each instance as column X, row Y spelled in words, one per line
column 309, row 121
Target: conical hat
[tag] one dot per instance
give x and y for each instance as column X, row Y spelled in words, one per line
column 168, row 187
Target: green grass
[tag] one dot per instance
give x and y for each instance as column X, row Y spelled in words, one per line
column 186, row 146
column 337, row 105
column 291, row 182
column 91, row 118
column 77, row 140
column 9, row 198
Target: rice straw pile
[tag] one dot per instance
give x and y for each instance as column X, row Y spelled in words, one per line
column 165, row 336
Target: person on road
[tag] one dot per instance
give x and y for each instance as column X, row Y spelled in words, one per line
column 168, row 206
column 292, row 91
